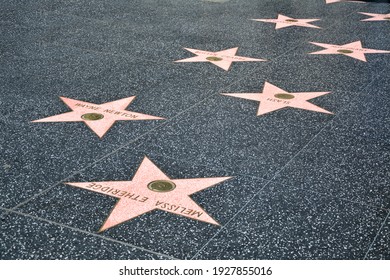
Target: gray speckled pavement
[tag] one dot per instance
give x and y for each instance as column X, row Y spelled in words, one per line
column 294, row 182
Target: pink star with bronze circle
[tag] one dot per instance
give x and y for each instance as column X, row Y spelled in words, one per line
column 273, row 98
column 151, row 189
column 354, row 50
column 222, row 59
column 98, row 117
column 284, row 21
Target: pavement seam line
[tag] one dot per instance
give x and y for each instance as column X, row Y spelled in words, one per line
column 86, row 232
column 273, row 178
column 249, row 200
column 377, row 235
column 146, row 60
column 278, row 182
column 165, row 123
column 152, row 130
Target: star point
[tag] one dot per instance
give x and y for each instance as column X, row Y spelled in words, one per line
column 284, row 21
column 223, row 59
column 98, row 117
column 273, row 98
column 151, row 189
column 376, row 17
column 354, row 50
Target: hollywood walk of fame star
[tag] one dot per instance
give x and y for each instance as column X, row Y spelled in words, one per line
column 98, row 117
column 222, row 59
column 273, row 98
column 151, row 189
column 376, row 17
column 284, row 21
column 354, row 50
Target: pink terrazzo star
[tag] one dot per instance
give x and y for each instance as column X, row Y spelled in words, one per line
column 98, row 117
column 354, row 50
column 222, row 59
column 151, row 189
column 273, row 98
column 284, row 21
column 376, row 17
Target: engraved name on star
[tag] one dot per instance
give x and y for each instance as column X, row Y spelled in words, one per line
column 98, row 117
column 284, row 21
column 222, row 59
column 376, row 17
column 354, row 50
column 273, row 98
column 151, row 189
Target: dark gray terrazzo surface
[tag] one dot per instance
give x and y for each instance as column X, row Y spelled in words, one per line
column 319, row 227
column 23, row 237
column 380, row 248
column 306, row 185
column 352, row 153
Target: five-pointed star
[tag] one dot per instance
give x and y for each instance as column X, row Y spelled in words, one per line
column 222, row 59
column 151, row 189
column 273, row 98
column 354, row 50
column 99, row 117
column 376, row 17
column 284, row 21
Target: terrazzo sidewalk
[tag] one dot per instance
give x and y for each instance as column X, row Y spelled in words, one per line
column 194, row 129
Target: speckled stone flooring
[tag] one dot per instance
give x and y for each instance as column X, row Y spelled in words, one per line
column 303, row 184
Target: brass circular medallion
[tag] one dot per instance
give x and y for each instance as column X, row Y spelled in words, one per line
column 92, row 116
column 284, row 96
column 291, row 20
column 213, row 58
column 161, row 186
column 344, row 51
